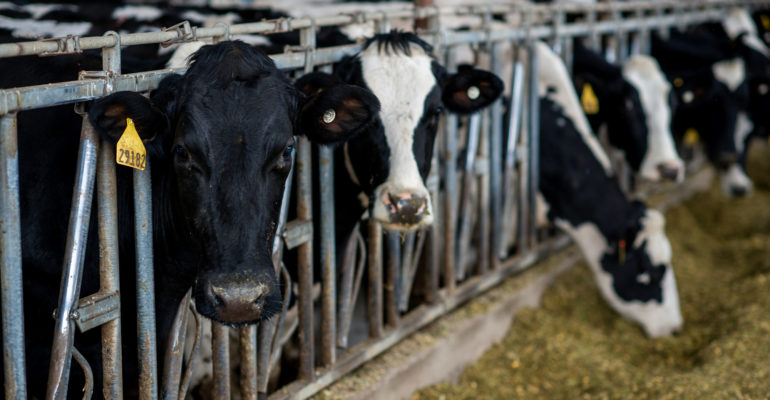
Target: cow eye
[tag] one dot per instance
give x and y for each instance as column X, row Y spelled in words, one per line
column 438, row 110
column 288, row 150
column 180, row 151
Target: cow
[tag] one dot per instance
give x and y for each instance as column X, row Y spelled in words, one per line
column 384, row 170
column 633, row 103
column 709, row 80
column 220, row 140
column 623, row 241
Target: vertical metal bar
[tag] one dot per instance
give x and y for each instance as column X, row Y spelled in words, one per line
column 392, row 281
column 109, row 263
column 248, row 342
column 375, row 278
column 145, row 285
column 304, row 173
column 593, row 36
column 328, row 257
column 10, row 262
column 221, row 364
column 72, row 270
column 109, row 270
column 433, row 232
column 643, row 38
column 305, row 262
column 495, row 163
column 265, row 333
column 173, row 359
column 515, row 114
column 409, row 260
column 534, row 143
column 464, row 211
column 621, row 36
column 483, row 204
column 450, row 187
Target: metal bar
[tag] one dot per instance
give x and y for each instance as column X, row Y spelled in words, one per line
column 534, row 143
column 621, row 36
column 173, row 359
column 248, row 342
column 221, row 364
column 483, row 197
column 410, row 263
column 464, row 211
column 109, row 263
column 514, row 126
column 345, row 301
column 145, row 285
column 375, row 278
column 392, row 281
column 449, row 159
column 72, row 270
column 496, row 163
column 265, row 332
column 328, row 257
column 305, row 263
column 10, row 262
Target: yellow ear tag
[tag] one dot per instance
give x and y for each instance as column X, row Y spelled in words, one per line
column 130, row 149
column 588, row 100
column 691, row 137
column 765, row 21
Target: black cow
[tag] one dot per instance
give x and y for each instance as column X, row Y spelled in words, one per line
column 623, row 241
column 634, row 105
column 219, row 140
column 384, row 170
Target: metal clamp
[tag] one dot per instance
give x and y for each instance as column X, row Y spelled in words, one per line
column 183, row 30
column 281, row 25
column 69, row 44
column 226, row 28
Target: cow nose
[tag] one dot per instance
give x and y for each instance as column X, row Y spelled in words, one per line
column 668, row 171
column 237, row 300
column 406, row 208
column 738, row 191
column 725, row 160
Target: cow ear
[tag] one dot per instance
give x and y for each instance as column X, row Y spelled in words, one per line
column 470, row 89
column 108, row 116
column 315, row 82
column 334, row 113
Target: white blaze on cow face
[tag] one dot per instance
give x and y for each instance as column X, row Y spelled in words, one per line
column 401, row 82
column 644, row 74
column 734, row 181
column 553, row 81
column 738, row 22
column 656, row 318
column 730, row 72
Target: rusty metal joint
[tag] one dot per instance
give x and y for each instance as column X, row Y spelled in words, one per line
column 69, row 44
column 224, row 25
column 281, row 25
column 183, row 33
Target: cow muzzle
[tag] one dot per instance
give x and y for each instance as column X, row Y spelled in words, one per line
column 403, row 210
column 670, row 171
column 236, row 298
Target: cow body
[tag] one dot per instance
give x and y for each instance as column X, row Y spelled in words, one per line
column 623, row 242
column 219, row 140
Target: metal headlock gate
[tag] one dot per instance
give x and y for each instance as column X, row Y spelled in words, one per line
column 471, row 247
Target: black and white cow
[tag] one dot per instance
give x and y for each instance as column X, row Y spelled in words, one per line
column 220, row 139
column 634, row 105
column 385, row 169
column 709, row 80
column 623, row 241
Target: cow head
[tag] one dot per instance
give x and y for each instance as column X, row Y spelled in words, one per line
column 633, row 268
column 221, row 139
column 390, row 163
column 660, row 160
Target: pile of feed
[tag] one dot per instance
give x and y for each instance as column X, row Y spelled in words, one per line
column 575, row 347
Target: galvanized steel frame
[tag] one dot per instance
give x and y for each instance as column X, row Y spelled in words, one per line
column 447, row 281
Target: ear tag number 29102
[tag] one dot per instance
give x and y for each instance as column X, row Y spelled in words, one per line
column 130, row 150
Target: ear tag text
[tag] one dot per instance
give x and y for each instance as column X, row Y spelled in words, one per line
column 691, row 137
column 589, row 101
column 130, row 150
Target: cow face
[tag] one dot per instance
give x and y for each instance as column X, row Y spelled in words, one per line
column 660, row 160
column 633, row 271
column 391, row 162
column 221, row 138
